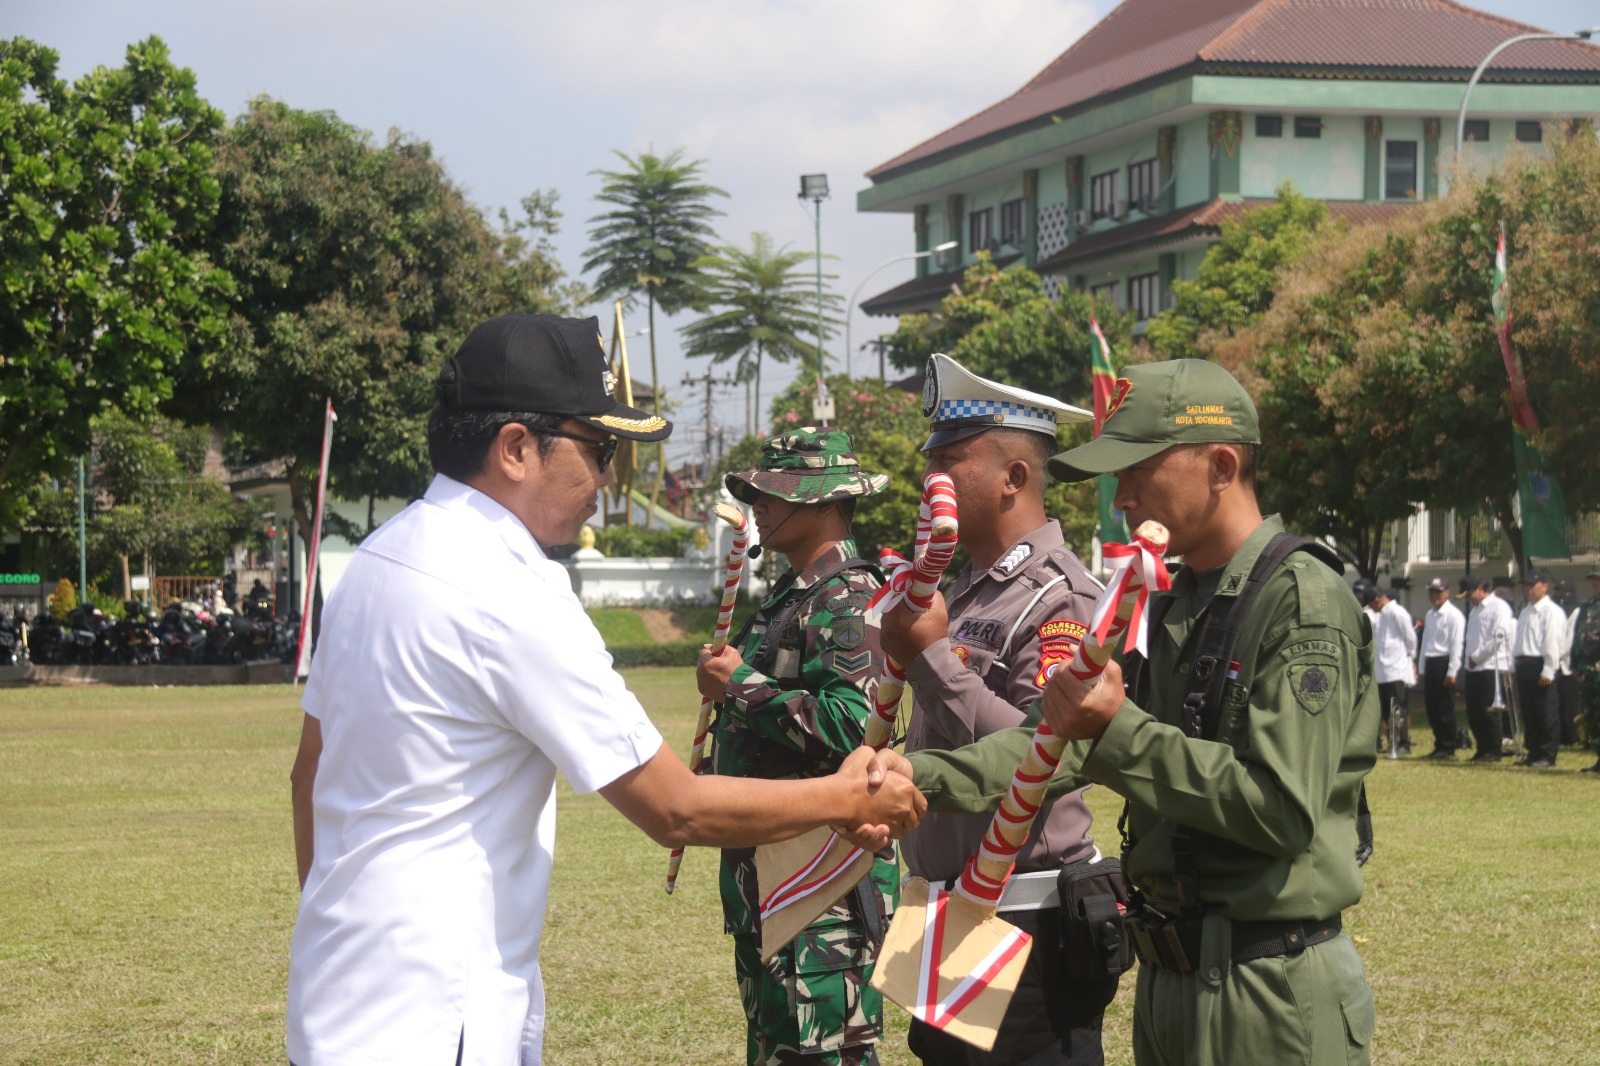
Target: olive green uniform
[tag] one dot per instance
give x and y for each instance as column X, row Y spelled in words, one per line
column 1271, row 803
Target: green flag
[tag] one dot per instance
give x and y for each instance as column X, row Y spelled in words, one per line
column 1544, row 509
column 1113, row 526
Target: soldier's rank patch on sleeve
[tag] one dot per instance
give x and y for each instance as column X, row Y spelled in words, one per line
column 848, row 665
column 1062, row 629
column 1313, row 684
column 1052, row 653
column 848, row 633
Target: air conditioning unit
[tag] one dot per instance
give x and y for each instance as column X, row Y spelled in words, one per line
column 1085, row 218
column 1120, row 212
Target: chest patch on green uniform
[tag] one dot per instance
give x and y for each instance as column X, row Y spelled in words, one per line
column 848, row 633
column 1313, row 684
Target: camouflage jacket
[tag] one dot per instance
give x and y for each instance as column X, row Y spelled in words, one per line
column 1586, row 634
column 798, row 711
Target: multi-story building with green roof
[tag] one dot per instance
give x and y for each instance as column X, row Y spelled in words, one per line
column 1113, row 168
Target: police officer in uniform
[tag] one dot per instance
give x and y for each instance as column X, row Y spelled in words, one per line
column 1018, row 608
column 1242, row 843
column 794, row 690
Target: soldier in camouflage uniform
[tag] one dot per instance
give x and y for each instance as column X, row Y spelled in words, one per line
column 1586, row 662
column 794, row 690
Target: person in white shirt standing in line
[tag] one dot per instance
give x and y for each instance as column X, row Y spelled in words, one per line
column 1396, row 667
column 455, row 675
column 1490, row 629
column 1443, row 628
column 1539, row 646
column 1569, row 697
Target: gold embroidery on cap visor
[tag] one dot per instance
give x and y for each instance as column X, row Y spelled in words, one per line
column 638, row 425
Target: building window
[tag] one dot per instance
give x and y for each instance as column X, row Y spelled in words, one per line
column 980, row 227
column 1308, row 127
column 1400, row 170
column 1011, row 223
column 1269, row 125
column 1530, row 131
column 1103, row 194
column 1143, row 293
column 1475, row 129
column 1106, row 292
column 1142, row 186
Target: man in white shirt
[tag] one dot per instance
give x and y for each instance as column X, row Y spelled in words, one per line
column 1490, row 629
column 1539, row 646
column 1395, row 668
column 1443, row 629
column 455, row 675
column 1569, row 697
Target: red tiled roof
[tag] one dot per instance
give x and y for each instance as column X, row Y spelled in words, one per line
column 1198, row 219
column 1144, row 39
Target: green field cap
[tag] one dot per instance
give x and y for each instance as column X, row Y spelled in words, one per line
column 812, row 464
column 1157, row 405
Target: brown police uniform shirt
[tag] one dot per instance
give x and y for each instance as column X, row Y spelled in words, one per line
column 975, row 684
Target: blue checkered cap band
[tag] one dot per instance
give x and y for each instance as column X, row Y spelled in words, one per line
column 1012, row 415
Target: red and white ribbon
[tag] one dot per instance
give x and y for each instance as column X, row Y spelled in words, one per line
column 937, row 1011
column 810, row 879
column 1136, row 562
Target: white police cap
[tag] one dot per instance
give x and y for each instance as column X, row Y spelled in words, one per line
column 959, row 403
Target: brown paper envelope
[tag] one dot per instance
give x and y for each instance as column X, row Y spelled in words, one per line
column 971, row 934
column 777, row 863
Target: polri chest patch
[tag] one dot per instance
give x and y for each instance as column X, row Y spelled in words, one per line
column 985, row 631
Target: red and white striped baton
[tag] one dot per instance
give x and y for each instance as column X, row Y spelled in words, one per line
column 719, row 640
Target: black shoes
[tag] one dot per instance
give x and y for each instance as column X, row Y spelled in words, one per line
column 1595, row 769
column 1440, row 753
column 1540, row 764
column 1487, row 756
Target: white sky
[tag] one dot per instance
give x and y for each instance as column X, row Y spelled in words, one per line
column 537, row 94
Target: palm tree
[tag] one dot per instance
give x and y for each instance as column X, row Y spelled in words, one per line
column 765, row 306
column 649, row 242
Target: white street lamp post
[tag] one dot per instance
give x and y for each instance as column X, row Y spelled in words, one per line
column 850, row 311
column 1461, row 116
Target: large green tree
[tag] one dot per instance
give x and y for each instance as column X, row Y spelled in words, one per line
column 106, row 195
column 360, row 267
column 1238, row 278
column 762, row 306
column 152, row 501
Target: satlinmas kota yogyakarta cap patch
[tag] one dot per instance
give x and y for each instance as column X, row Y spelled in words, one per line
column 959, row 403
column 1157, row 405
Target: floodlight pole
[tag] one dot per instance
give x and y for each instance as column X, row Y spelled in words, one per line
column 850, row 311
column 814, row 187
column 1461, row 116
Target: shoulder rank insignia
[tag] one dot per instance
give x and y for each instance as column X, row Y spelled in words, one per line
column 1015, row 558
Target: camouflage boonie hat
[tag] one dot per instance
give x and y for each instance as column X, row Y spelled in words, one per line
column 813, row 464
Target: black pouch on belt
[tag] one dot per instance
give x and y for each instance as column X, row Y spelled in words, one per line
column 1094, row 942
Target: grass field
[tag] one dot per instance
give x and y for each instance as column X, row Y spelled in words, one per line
column 147, row 886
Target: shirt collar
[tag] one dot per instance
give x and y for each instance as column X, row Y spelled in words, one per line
column 1231, row 578
column 1041, row 542
column 452, row 495
column 836, row 554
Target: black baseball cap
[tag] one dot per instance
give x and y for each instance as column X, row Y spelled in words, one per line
column 545, row 364
column 1365, row 591
column 1438, row 584
column 1535, row 577
column 1470, row 583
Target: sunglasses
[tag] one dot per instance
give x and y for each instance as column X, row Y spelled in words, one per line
column 604, row 450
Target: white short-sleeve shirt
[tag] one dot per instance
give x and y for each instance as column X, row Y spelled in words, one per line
column 455, row 675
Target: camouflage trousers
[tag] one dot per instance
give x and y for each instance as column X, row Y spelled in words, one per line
column 1589, row 679
column 810, row 1005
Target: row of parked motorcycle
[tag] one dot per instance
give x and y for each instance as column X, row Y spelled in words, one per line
column 185, row 633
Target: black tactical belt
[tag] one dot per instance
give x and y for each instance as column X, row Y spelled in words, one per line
column 1174, row 943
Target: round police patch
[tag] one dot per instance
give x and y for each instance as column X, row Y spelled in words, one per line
column 930, row 391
